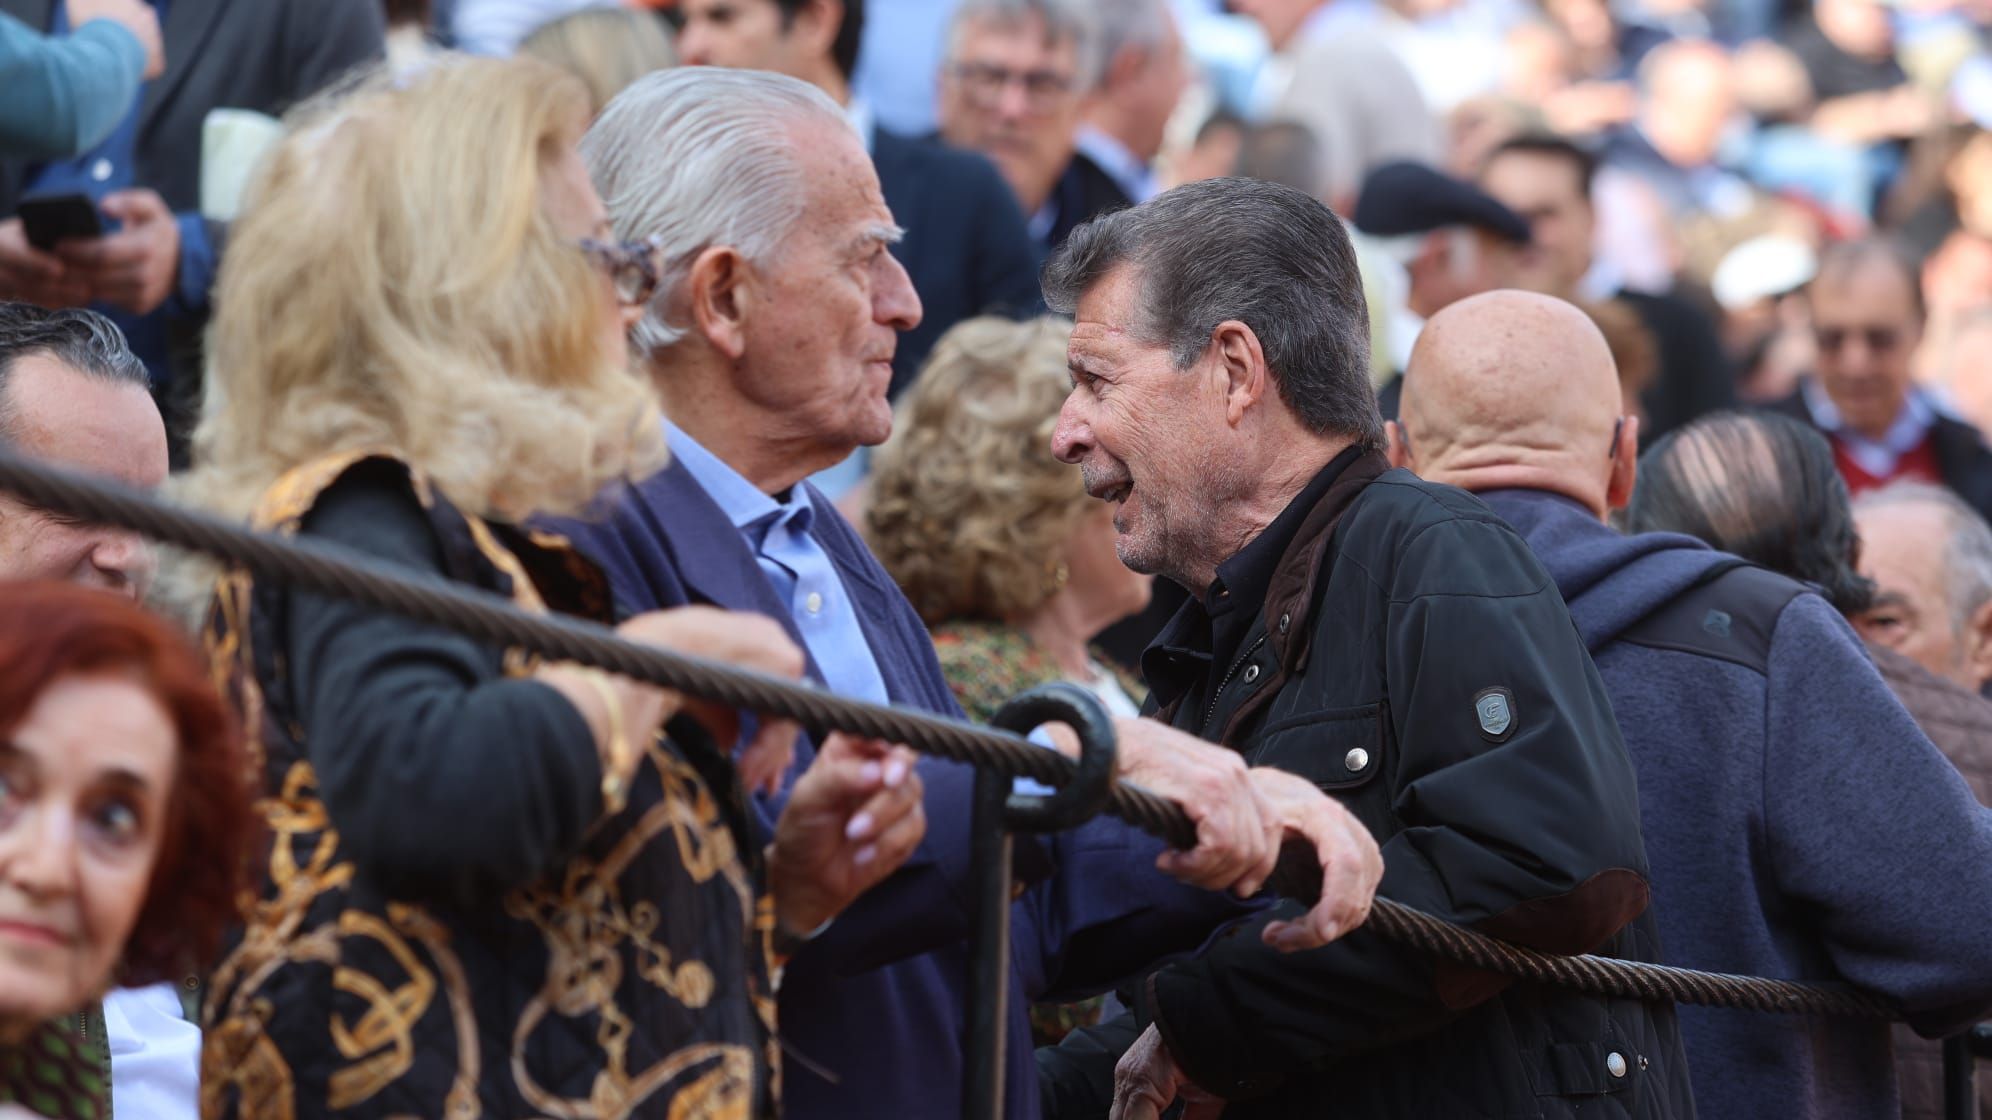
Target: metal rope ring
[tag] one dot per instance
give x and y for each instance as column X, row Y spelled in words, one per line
column 1079, row 799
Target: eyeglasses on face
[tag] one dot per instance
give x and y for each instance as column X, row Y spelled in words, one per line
column 633, row 267
column 1879, row 340
column 984, row 85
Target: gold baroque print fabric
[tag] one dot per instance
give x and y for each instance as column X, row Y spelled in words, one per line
column 635, row 981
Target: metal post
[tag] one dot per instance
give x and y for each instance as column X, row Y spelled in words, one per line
column 1960, row 1079
column 999, row 811
column 989, row 961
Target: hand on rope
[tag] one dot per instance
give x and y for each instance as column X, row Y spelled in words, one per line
column 750, row 641
column 625, row 714
column 1244, row 816
column 1351, row 863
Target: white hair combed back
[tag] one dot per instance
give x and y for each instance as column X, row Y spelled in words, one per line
column 698, row 157
column 1073, row 20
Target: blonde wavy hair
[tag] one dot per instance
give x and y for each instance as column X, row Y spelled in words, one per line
column 607, row 48
column 394, row 282
column 968, row 509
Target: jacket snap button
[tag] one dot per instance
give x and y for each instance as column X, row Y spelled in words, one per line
column 1615, row 1064
column 1356, row 759
column 1285, row 621
column 1251, row 673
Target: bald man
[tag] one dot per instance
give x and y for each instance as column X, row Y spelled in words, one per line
column 1797, row 822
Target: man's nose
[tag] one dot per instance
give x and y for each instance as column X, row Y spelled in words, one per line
column 895, row 303
column 124, row 562
column 692, row 45
column 1013, row 101
column 1071, row 439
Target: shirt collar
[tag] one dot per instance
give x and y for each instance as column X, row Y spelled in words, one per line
column 743, row 503
column 1911, row 424
column 1125, row 168
column 1248, row 575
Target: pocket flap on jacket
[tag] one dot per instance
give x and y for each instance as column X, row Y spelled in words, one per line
column 1339, row 748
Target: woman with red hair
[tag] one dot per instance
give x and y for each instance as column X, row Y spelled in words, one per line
column 124, row 822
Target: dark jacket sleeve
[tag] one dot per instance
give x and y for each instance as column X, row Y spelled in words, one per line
column 445, row 780
column 1870, row 827
column 1531, row 834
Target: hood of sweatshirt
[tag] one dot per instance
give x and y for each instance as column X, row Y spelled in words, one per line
column 1611, row 581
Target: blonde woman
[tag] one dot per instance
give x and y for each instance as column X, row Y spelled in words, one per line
column 491, row 888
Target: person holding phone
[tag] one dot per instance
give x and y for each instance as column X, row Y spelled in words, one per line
column 152, row 265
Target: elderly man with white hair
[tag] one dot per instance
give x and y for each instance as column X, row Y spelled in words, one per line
column 770, row 342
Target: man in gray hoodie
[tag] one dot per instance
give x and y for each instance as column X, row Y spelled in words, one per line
column 1797, row 823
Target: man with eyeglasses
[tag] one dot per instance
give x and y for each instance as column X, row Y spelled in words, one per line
column 1014, row 88
column 1867, row 321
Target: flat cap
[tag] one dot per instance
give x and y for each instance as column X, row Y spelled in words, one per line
column 1403, row 198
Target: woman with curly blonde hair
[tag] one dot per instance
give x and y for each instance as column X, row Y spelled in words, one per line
column 491, row 886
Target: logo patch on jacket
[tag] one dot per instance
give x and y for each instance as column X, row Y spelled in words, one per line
column 1495, row 709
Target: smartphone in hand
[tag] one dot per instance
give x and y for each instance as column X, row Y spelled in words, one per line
column 52, row 218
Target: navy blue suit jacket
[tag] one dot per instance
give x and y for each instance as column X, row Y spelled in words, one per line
column 880, row 998
column 966, row 246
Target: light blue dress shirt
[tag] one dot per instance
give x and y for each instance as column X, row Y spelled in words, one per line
column 797, row 568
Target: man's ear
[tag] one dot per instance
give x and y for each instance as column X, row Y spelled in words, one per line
column 1126, row 65
column 1239, row 365
column 720, row 290
column 1625, row 466
column 1978, row 644
column 1397, row 446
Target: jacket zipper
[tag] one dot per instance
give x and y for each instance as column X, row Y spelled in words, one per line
column 1218, row 693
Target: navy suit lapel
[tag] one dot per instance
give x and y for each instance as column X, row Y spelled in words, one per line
column 711, row 556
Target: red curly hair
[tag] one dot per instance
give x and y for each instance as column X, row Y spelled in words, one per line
column 50, row 631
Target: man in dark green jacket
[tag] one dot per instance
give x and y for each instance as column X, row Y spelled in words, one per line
column 1388, row 639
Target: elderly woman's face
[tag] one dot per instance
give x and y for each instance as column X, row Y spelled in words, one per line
column 84, row 784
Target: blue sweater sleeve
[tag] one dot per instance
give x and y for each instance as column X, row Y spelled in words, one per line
column 64, row 94
column 1873, row 828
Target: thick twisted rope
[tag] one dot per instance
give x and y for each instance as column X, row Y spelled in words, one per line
column 332, row 571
